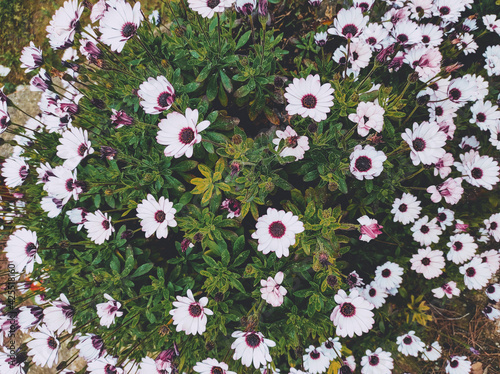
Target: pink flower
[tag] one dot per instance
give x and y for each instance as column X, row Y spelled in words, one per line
column 272, row 291
column 451, row 190
column 369, row 229
column 443, row 166
column 108, row 311
column 368, row 116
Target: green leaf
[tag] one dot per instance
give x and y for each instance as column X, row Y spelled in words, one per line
column 212, row 88
column 204, row 73
column 244, row 39
column 226, row 81
column 210, row 261
column 129, row 262
column 191, row 87
column 143, row 269
column 114, row 263
column 369, row 185
column 242, row 91
column 237, row 284
column 225, row 257
column 239, row 244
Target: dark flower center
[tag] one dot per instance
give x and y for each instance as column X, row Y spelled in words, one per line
column 488, row 309
column 458, row 246
column 97, row 342
column 490, row 289
column 433, row 86
column 402, row 38
column 364, row 6
column 216, row 369
column 371, row 40
column 454, row 364
column 476, row 173
column 252, row 340
column 407, row 340
column 52, row 343
column 349, row 31
column 424, row 229
column 69, row 185
column 444, row 10
column 165, row 99
column 129, row 29
column 374, row 360
column 314, row 355
column 493, row 226
column 68, row 311
column 481, row 117
column 347, row 309
column 234, row 205
column 439, row 111
column 160, row 216
column 372, row 292
column 386, row 273
column 355, row 56
column 292, row 141
column 186, row 135
column 345, row 369
column 329, row 344
column 277, row 229
column 441, row 217
column 31, row 249
column 195, row 310
column 23, row 172
column 105, row 224
column 403, row 208
column 363, row 164
column 455, row 94
column 309, row 101
column 470, row 272
column 110, row 369
column 212, row 3
column 426, row 261
column 419, row 9
column 419, row 144
column 82, row 148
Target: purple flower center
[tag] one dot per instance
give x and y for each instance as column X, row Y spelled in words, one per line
column 455, row 94
column 488, row 309
column 347, row 309
column 329, row 344
column 68, row 311
column 476, row 173
column 128, row 30
column 186, row 136
column 454, row 364
column 408, row 340
column 105, row 224
column 371, row 40
column 252, row 340
column 402, row 38
column 386, row 273
column 424, row 229
column 309, row 101
column 97, row 342
column 441, row 217
column 165, row 99
column 403, row 208
column 195, row 310
column 314, row 355
column 444, row 10
column 439, row 111
column 458, row 246
column 160, row 216
column 372, row 292
column 374, row 360
column 470, row 272
column 426, row 261
column 419, row 144
column 345, row 369
column 52, row 343
column 481, row 117
column 277, row 229
column 293, row 141
column 82, row 149
column 216, row 369
column 490, row 289
column 349, row 30
column 493, row 226
column 110, row 369
column 212, row 3
column 30, row 249
column 69, row 185
column 23, row 172
column 363, row 164
column 364, row 6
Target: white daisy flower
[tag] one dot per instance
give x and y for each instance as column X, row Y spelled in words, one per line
column 208, row 8
column 4, row 114
column 74, row 147
column 458, row 365
column 157, row 94
column 309, row 98
column 332, row 348
column 59, row 316
column 156, row 216
column 406, row 33
column 61, row 30
column 44, row 347
column 448, row 10
column 352, row 315
column 245, row 7
column 492, row 60
column 14, row 171
column 367, row 162
column 91, row 346
column 272, row 291
column 407, row 209
column 77, row 216
column 294, row 145
column 432, row 352
column 426, row 232
column 493, row 226
column 449, row 289
column 375, row 294
column 12, row 363
column 119, row 24
column 389, row 275
column 190, row 315
column 480, row 171
column 51, row 205
column 320, row 38
column 491, row 23
column 492, row 258
column 493, row 292
column 276, row 232
column 378, row 362
column 315, row 360
column 460, row 91
column 104, row 365
column 462, row 248
column 63, row 184
column 98, row 226
column 485, row 115
column 426, row 142
column 428, row 262
column 212, row 366
column 354, row 279
column 476, row 274
column 108, row 311
column 375, row 35
column 432, row 35
column 180, row 133
column 348, row 366
column 365, row 5
column 349, row 23
column 31, row 58
column 251, row 346
column 369, row 115
column 410, row 344
column 491, row 312
column 29, row 316
column 445, row 217
column 21, row 250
